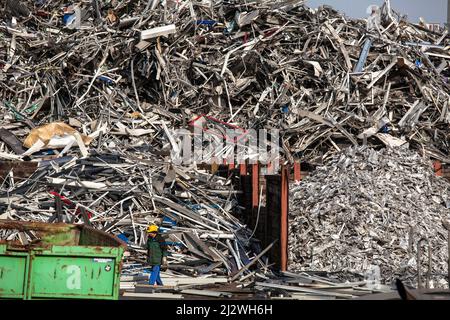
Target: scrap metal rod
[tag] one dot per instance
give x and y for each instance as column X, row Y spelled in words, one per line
column 419, row 253
column 255, row 259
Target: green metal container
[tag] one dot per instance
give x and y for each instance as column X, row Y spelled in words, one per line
column 67, row 261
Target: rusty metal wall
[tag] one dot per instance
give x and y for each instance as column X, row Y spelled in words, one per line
column 271, row 220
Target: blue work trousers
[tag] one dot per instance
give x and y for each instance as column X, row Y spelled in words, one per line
column 155, row 276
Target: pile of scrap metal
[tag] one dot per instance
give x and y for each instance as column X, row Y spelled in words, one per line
column 322, row 78
column 90, row 93
column 125, row 191
column 375, row 213
column 286, row 285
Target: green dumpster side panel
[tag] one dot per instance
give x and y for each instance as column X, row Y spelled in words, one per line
column 72, row 277
column 83, row 251
column 70, row 261
column 12, row 276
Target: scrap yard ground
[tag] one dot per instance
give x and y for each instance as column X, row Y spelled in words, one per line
column 93, row 96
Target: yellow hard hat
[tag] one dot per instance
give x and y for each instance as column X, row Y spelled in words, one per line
column 152, row 228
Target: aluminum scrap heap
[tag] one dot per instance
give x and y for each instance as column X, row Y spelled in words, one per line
column 367, row 208
column 121, row 74
column 263, row 64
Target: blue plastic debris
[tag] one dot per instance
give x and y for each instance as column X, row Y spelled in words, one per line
column 195, row 207
column 169, row 222
column 363, row 56
column 206, row 22
column 385, row 129
column 106, row 79
column 68, row 18
column 72, row 17
column 175, row 244
column 48, row 152
column 123, row 238
column 285, row 108
column 418, row 63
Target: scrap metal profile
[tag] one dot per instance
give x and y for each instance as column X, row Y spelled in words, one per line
column 156, row 254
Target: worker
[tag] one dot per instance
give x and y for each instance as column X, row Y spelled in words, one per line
column 157, row 254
